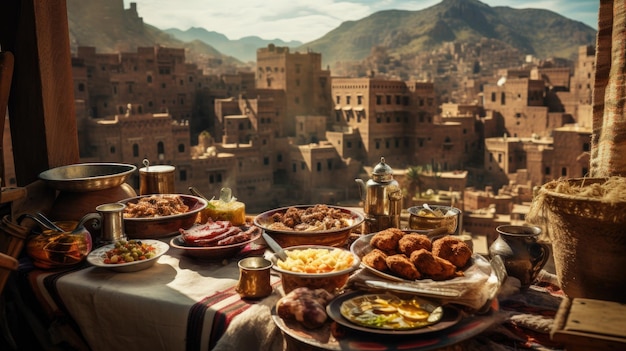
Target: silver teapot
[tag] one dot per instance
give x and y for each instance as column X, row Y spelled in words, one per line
column 382, row 199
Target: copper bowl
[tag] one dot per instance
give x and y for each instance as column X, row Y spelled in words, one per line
column 330, row 237
column 83, row 177
column 330, row 281
column 163, row 226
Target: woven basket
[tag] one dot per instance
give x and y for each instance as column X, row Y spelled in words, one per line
column 588, row 240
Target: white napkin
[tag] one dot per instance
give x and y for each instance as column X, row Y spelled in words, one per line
column 475, row 289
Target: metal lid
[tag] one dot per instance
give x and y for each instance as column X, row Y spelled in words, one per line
column 382, row 172
column 382, row 168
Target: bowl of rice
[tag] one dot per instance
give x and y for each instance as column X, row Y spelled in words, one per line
column 315, row 267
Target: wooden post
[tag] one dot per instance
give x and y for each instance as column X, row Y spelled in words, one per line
column 41, row 101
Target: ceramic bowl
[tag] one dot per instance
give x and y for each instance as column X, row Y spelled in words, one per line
column 328, row 237
column 330, row 281
column 97, row 258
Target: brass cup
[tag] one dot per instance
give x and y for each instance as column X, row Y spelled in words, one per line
column 254, row 278
column 157, row 179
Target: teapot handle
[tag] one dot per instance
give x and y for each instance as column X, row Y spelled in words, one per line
column 88, row 217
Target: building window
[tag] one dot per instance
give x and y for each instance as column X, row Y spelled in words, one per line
column 293, row 168
column 135, row 150
column 181, row 148
column 348, row 100
column 81, row 87
column 279, row 157
column 329, row 164
column 266, row 160
column 149, row 79
column 586, row 147
column 379, row 99
column 546, row 171
column 585, row 171
column 564, row 171
column 359, row 100
column 112, row 150
column 388, row 99
column 182, row 175
column 338, row 100
column 319, row 166
column 302, row 165
column 160, row 148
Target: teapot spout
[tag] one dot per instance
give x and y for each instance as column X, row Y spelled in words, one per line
column 361, row 185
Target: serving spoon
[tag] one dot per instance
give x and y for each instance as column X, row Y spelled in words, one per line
column 42, row 221
column 278, row 250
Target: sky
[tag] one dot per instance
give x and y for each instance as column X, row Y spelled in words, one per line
column 307, row 20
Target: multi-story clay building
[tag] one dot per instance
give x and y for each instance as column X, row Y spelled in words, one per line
column 299, row 135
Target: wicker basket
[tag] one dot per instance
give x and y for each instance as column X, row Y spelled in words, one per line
column 588, row 239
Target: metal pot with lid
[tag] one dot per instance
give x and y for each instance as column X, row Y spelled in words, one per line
column 382, row 199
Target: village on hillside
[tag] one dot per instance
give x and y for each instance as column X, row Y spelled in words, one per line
column 290, row 132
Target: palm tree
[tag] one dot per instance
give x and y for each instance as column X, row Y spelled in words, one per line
column 413, row 175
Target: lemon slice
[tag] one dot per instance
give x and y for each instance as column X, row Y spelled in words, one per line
column 412, row 312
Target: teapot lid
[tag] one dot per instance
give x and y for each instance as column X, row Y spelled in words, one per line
column 382, row 169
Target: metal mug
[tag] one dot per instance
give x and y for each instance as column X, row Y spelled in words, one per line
column 112, row 218
column 157, row 179
column 523, row 255
column 254, row 278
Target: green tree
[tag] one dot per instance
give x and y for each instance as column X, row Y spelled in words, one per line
column 414, row 178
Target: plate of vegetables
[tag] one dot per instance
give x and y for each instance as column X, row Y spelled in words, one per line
column 128, row 255
column 391, row 314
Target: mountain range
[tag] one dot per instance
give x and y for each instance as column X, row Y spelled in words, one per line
column 406, row 34
column 244, row 49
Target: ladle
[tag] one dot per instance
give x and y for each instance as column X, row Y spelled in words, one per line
column 196, row 192
column 278, row 250
column 427, row 208
column 48, row 223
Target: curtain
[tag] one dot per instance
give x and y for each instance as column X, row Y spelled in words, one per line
column 608, row 141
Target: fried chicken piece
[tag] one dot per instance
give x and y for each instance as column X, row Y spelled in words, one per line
column 432, row 266
column 387, row 240
column 401, row 266
column 452, row 249
column 375, row 259
column 413, row 242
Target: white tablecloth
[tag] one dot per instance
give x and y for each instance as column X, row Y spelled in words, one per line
column 180, row 303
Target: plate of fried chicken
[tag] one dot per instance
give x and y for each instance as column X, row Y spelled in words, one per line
column 404, row 256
